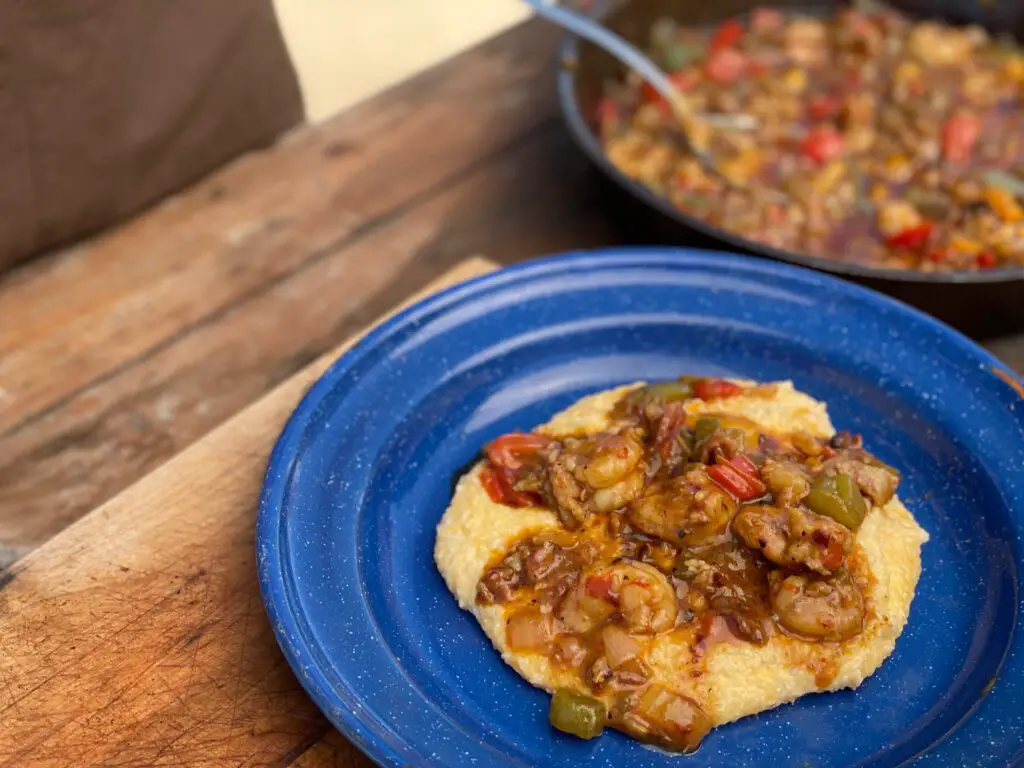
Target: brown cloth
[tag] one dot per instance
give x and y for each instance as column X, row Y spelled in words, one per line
column 108, row 105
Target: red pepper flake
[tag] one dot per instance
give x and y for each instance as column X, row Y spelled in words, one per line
column 710, row 389
column 726, row 36
column 987, row 260
column 742, row 486
column 912, row 238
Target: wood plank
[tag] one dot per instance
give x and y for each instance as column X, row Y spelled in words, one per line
column 72, row 319
column 534, row 198
column 137, row 636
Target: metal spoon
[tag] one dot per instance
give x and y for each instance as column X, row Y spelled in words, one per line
column 629, row 55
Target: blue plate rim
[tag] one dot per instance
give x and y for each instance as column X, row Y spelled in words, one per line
column 272, row 577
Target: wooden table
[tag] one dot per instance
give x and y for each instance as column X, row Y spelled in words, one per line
column 136, row 636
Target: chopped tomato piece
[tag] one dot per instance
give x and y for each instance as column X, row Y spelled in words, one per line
column 938, row 256
column 509, row 450
column 824, row 107
column 766, row 19
column 727, row 35
column 742, row 463
column 822, row 144
column 600, row 587
column 959, row 135
column 742, row 486
column 725, row 66
column 986, row 259
column 912, row 238
column 709, row 389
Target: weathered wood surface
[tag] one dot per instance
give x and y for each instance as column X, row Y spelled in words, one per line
column 117, row 354
column 137, row 636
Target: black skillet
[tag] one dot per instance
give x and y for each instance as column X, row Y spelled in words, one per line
column 979, row 303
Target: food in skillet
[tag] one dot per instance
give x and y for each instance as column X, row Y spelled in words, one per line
column 667, row 558
column 899, row 143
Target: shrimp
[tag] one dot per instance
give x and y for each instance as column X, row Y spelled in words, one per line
column 646, row 600
column 821, row 609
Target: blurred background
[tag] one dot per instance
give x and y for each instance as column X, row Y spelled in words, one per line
column 345, row 51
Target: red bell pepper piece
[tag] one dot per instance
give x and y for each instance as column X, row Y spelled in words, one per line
column 710, row 389
column 742, row 463
column 912, row 238
column 509, row 450
column 683, row 81
column 726, row 36
column 648, row 94
column 507, row 456
column 822, row 144
column 500, row 488
column 986, row 259
column 742, row 486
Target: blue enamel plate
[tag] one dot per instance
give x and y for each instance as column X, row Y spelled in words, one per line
column 366, row 465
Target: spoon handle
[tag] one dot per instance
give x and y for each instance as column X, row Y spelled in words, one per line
column 622, row 50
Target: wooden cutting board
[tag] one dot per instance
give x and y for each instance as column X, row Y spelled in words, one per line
column 137, row 637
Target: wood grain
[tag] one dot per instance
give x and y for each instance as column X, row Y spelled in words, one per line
column 137, row 636
column 113, row 432
column 363, row 225
column 84, row 313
